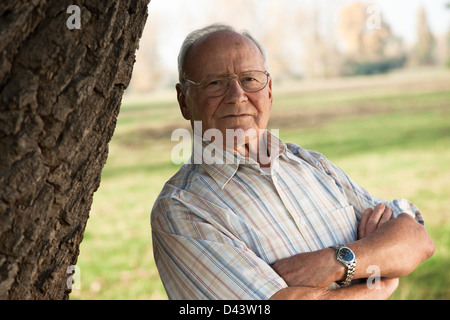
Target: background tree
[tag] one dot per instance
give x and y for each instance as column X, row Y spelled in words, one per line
column 148, row 73
column 60, row 93
column 361, row 42
column 425, row 46
column 321, row 56
column 368, row 47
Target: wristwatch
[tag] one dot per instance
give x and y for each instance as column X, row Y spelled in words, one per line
column 345, row 255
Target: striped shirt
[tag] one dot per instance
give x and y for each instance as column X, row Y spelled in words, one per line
column 217, row 228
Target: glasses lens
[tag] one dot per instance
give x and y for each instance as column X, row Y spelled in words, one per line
column 252, row 81
column 216, row 85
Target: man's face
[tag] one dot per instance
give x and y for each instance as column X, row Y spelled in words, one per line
column 222, row 53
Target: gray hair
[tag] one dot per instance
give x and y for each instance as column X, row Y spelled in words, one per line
column 197, row 35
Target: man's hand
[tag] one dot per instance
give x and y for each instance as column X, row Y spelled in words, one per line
column 371, row 220
column 311, row 269
column 397, row 246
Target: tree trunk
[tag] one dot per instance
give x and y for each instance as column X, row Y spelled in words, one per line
column 60, row 94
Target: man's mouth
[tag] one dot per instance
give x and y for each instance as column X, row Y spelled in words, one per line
column 237, row 115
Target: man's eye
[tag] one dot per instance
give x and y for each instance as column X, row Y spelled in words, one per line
column 249, row 79
column 216, row 82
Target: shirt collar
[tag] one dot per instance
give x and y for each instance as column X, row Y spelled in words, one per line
column 222, row 165
column 314, row 158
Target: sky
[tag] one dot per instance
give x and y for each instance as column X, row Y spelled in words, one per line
column 179, row 17
column 402, row 15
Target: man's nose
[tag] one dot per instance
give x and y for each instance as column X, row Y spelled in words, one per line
column 235, row 93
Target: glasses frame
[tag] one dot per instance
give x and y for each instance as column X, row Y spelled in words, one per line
column 230, row 77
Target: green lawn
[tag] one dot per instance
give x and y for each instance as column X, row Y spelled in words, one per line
column 390, row 133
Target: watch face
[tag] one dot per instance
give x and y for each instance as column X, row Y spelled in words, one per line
column 346, row 254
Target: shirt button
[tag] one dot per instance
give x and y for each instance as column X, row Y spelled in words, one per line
column 302, row 221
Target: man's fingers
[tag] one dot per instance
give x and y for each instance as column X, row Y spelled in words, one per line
column 374, row 218
column 386, row 216
column 362, row 224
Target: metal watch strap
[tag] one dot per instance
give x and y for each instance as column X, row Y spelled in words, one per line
column 350, row 272
column 351, row 266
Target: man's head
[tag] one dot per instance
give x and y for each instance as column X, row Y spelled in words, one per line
column 218, row 50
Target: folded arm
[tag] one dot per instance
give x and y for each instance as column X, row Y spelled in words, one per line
column 354, row 292
column 395, row 246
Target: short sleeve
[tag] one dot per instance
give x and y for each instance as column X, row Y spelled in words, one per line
column 199, row 259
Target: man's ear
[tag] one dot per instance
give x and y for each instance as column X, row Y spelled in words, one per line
column 270, row 93
column 181, row 97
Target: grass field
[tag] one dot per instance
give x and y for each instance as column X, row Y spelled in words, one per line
column 390, row 133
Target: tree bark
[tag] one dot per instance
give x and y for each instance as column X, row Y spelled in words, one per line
column 60, row 94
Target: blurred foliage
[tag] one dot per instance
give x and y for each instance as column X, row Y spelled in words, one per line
column 356, row 68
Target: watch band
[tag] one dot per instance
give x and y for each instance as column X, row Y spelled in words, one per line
column 350, row 272
column 351, row 265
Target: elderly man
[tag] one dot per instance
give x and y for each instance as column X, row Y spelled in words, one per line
column 250, row 229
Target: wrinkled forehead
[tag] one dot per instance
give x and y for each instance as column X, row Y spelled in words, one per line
column 222, row 51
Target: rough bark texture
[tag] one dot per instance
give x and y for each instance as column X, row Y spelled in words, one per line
column 60, row 93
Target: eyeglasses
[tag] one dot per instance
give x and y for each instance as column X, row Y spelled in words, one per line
column 217, row 85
